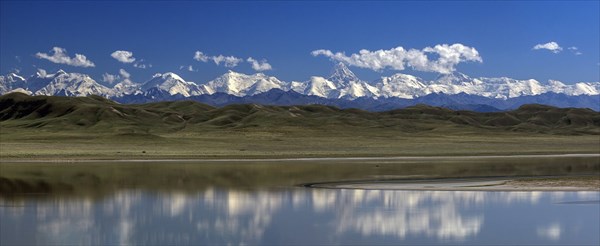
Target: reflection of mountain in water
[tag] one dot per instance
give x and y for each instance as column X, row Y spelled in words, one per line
column 298, row 216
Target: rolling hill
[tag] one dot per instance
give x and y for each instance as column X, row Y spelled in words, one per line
column 93, row 127
column 97, row 114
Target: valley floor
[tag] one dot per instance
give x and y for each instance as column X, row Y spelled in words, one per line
column 37, row 144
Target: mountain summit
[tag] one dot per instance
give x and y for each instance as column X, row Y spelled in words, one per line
column 172, row 84
column 341, row 75
column 341, row 84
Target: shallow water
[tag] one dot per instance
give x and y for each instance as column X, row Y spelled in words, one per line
column 258, row 204
column 305, row 216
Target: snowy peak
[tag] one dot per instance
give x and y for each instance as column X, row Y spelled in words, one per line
column 172, row 76
column 239, row 84
column 342, row 75
column 68, row 84
column 15, row 77
column 343, row 83
column 346, row 84
column 173, row 84
column 11, row 82
column 455, row 78
column 60, row 72
column 126, row 87
column 400, row 85
column 316, row 86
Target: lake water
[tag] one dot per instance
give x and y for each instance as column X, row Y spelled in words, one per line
column 225, row 207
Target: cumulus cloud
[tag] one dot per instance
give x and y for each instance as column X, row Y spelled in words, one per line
column 259, row 65
column 141, row 65
column 189, row 68
column 551, row 46
column 575, row 50
column 199, row 56
column 59, row 55
column 110, row 78
column 448, row 56
column 228, row 61
column 127, row 57
column 124, row 73
column 123, row 56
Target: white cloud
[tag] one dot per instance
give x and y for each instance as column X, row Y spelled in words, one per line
column 59, row 55
column 124, row 73
column 110, row 78
column 127, row 57
column 259, row 65
column 199, row 56
column 141, row 65
column 123, row 56
column 551, row 46
column 399, row 58
column 126, row 76
column 228, row 61
column 575, row 50
column 189, row 68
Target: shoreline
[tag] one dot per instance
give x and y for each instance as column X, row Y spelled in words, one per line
column 300, row 159
column 532, row 183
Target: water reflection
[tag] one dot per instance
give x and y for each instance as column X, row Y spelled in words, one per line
column 431, row 214
column 302, row 216
column 551, row 231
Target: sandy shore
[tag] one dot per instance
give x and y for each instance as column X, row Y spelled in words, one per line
column 400, row 158
column 561, row 183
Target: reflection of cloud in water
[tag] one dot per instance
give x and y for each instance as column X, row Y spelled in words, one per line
column 402, row 213
column 323, row 200
column 240, row 216
column 531, row 197
column 550, row 232
column 65, row 221
column 174, row 204
column 218, row 216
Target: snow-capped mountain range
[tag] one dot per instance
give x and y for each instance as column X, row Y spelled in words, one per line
column 341, row 84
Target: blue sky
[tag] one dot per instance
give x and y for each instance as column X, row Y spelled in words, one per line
column 167, row 34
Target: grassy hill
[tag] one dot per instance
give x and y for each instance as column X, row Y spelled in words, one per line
column 92, row 127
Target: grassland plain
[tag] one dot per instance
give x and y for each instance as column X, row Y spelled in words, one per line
column 41, row 127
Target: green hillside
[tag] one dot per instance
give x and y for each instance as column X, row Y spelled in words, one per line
column 42, row 126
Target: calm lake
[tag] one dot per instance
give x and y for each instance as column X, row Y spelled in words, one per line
column 229, row 203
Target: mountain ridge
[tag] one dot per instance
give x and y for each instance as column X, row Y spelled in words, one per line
column 342, row 88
